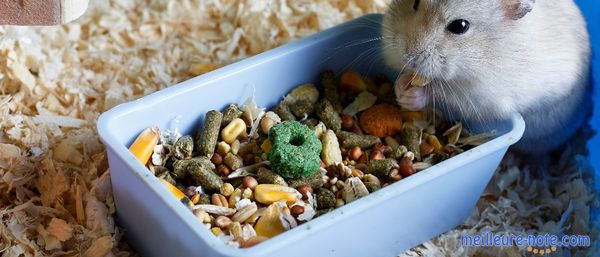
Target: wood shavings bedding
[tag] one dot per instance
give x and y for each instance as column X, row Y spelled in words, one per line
column 55, row 81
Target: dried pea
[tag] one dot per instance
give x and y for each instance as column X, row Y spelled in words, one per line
column 206, row 139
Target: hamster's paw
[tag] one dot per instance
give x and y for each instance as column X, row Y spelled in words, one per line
column 410, row 97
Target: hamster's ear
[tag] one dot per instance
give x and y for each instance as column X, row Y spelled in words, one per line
column 517, row 9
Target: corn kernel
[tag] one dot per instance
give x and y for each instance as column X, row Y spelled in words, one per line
column 177, row 193
column 270, row 193
column 216, row 231
column 266, row 146
column 233, row 130
column 433, row 141
column 269, row 225
column 144, row 144
column 223, row 148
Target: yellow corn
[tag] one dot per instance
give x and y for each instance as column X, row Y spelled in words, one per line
column 266, row 146
column 177, row 193
column 270, row 193
column 216, row 231
column 144, row 144
column 269, row 225
column 433, row 141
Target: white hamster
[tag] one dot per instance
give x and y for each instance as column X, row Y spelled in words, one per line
column 490, row 58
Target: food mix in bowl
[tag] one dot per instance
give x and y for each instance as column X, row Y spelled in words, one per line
column 250, row 174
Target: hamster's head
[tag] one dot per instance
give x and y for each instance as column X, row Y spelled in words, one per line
column 443, row 39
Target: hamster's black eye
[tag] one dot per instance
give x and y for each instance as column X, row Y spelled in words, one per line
column 458, row 27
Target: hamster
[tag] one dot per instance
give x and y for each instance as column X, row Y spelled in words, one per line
column 491, row 58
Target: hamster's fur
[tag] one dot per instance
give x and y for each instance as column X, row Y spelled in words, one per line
column 517, row 56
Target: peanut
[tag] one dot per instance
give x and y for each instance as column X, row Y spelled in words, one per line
column 355, row 153
column 233, row 130
column 216, row 159
column 223, row 170
column 266, row 124
column 249, row 182
column 296, row 210
column 377, row 155
column 347, row 122
column 305, row 191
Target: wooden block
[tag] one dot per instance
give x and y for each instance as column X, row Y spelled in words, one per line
column 40, row 12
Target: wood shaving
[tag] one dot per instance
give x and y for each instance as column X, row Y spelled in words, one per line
column 55, row 81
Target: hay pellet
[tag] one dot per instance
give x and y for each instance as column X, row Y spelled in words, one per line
column 209, row 133
column 330, row 90
column 397, row 152
column 204, row 199
column 284, row 112
column 329, row 115
column 266, row 176
column 230, row 113
column 302, row 108
column 201, row 170
column 180, row 168
column 381, row 168
column 411, row 138
column 315, row 181
column 233, row 161
column 349, row 139
column 325, row 199
column 184, row 147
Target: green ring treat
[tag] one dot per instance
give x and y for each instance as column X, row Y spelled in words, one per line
column 296, row 150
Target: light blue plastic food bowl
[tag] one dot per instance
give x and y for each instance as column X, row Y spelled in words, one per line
column 384, row 223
